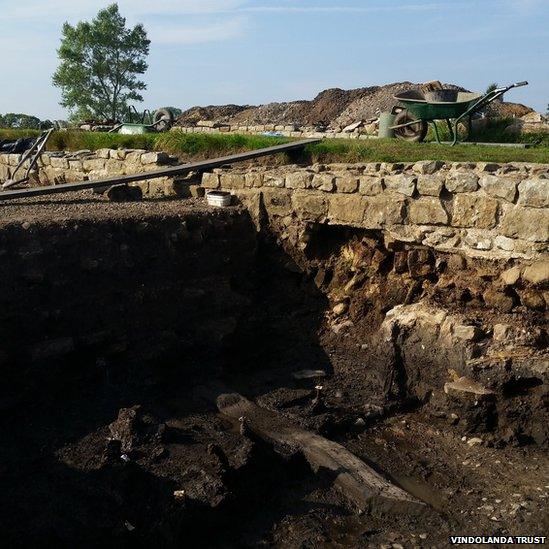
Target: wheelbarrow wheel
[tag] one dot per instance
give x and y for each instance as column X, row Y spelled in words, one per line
column 163, row 120
column 413, row 132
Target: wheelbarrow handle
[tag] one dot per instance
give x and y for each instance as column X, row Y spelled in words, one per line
column 519, row 84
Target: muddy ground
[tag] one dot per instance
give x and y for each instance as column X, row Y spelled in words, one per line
column 137, row 455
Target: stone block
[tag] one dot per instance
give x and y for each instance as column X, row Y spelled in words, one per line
column 537, row 273
column 532, row 299
column 276, row 181
column 500, row 187
column 427, row 166
column 487, row 167
column 504, row 243
column 346, row 209
column 531, row 224
column 14, row 159
column 91, row 165
column 473, row 210
column 210, row 180
column 430, row 185
column 115, row 167
column 369, row 186
column 324, row 182
column 461, row 182
column 510, row 276
column 389, row 167
column 103, row 153
column 310, row 206
column 60, row 163
column 299, row 180
column 277, row 201
column 155, row 158
column 134, row 157
column 346, row 184
column 534, row 193
column 232, row 180
column 427, row 211
column 4, row 172
column 253, row 179
column 76, row 165
column 383, row 210
column 498, row 300
column 117, row 154
column 400, row 183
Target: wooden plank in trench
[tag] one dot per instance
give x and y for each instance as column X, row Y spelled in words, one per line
column 366, row 488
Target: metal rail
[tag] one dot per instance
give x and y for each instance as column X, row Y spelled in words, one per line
column 164, row 172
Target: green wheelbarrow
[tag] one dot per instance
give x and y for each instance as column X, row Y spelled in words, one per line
column 416, row 109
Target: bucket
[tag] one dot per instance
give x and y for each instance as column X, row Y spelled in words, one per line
column 386, row 120
column 221, row 199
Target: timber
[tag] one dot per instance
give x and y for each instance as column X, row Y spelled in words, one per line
column 171, row 171
column 362, row 485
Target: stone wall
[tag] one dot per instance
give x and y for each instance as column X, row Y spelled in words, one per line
column 488, row 210
column 355, row 131
column 54, row 168
column 485, row 210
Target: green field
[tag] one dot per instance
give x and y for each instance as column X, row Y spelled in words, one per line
column 202, row 145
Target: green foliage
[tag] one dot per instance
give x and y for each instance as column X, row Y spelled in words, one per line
column 100, row 64
column 491, row 87
column 13, row 120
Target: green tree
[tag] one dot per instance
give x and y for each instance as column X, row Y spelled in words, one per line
column 100, row 64
column 19, row 120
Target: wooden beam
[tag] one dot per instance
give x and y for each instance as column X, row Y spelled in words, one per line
column 361, row 484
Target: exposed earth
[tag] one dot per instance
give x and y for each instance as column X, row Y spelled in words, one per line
column 333, row 107
column 110, row 450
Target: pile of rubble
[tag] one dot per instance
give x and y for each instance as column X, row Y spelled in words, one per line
column 333, row 108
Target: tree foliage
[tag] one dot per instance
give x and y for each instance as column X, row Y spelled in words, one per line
column 100, row 64
column 22, row 121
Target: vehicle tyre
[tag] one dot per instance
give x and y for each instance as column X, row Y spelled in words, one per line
column 414, row 132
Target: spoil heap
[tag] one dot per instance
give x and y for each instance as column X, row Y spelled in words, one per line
column 333, row 107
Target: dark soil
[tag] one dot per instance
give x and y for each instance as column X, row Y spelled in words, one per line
column 137, row 456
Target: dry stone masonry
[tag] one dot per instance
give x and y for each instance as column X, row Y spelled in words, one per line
column 55, row 168
column 485, row 210
column 495, row 211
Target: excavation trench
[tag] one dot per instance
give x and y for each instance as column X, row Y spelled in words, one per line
column 122, row 325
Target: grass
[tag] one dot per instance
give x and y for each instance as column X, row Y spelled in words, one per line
column 392, row 150
column 200, row 145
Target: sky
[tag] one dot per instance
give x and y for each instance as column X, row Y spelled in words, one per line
column 207, row 52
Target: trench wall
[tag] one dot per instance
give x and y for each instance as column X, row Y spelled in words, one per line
column 122, row 289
